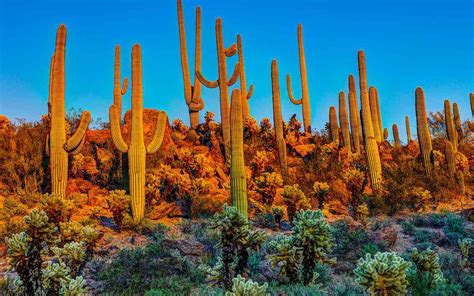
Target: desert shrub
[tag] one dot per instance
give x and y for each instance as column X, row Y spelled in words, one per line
column 119, row 205
column 243, row 287
column 267, row 185
column 383, row 274
column 355, row 182
column 345, row 286
column 321, row 191
column 408, row 227
column 465, row 246
column 455, row 274
column 423, row 236
column 179, row 126
column 261, row 162
column 419, row 198
column 295, row 200
column 251, row 129
column 56, row 208
column 454, row 229
column 434, row 220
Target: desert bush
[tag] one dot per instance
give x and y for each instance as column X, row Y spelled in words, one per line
column 119, row 205
column 56, row 208
column 355, row 182
column 267, row 185
column 321, row 191
column 261, row 162
column 295, row 200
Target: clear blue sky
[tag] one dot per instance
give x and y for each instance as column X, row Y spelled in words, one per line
column 407, row 43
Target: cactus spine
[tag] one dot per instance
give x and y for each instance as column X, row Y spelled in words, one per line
column 450, row 158
column 407, row 127
column 457, row 121
column 119, row 91
column 423, row 132
column 58, row 147
column 238, row 181
column 136, row 149
column 277, row 119
column 304, row 101
column 396, row 136
column 450, row 130
column 371, row 147
column 374, row 113
column 243, row 82
column 344, row 121
column 192, row 94
column 333, row 125
column 223, row 83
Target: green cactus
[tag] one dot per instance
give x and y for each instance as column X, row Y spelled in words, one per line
column 304, row 101
column 321, row 191
column 371, row 147
column 471, row 100
column 450, row 129
column 457, row 121
column 223, row 84
column 295, row 200
column 465, row 246
column 450, row 158
column 243, row 287
column 407, row 127
column 118, row 91
column 243, row 82
column 192, row 93
column 285, row 256
column 385, row 134
column 423, row 131
column 334, row 127
column 427, row 264
column 344, row 121
column 136, row 150
column 57, row 146
column 396, row 136
column 383, row 274
column 238, row 180
column 374, row 113
column 356, row 128
column 277, row 119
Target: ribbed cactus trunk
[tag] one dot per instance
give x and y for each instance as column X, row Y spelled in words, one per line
column 354, row 111
column 450, row 158
column 243, row 81
column 374, row 113
column 408, row 130
column 304, row 101
column 396, row 136
column 238, row 181
column 58, row 146
column 385, row 134
column 334, row 127
column 471, row 100
column 379, row 113
column 423, row 131
column 457, row 121
column 192, row 94
column 344, row 121
column 371, row 147
column 119, row 91
column 223, row 84
column 136, row 150
column 277, row 119
column 450, row 129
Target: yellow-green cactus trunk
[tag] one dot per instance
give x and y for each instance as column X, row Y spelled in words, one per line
column 344, row 122
column 457, row 121
column 450, row 129
column 333, row 125
column 407, row 127
column 238, row 181
column 277, row 118
column 396, row 136
column 450, row 158
column 374, row 113
column 354, row 109
column 243, row 81
column 423, row 131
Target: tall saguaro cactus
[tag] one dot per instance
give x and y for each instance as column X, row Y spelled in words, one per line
column 58, row 146
column 243, row 81
column 471, row 99
column 223, row 83
column 423, row 131
column 137, row 150
column 277, row 118
column 374, row 113
column 450, row 129
column 450, row 158
column 192, row 93
column 457, row 121
column 119, row 91
column 371, row 147
column 407, row 127
column 354, row 111
column 344, row 122
column 396, row 136
column 304, row 101
column 238, row 181
column 333, row 125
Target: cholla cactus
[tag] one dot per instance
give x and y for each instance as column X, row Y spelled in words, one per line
column 74, row 287
column 295, row 200
column 56, row 208
column 321, row 190
column 243, row 287
column 427, row 262
column 70, row 231
column 465, row 246
column 72, row 254
column 313, row 235
column 267, row 185
column 334, row 127
column 285, row 256
column 383, row 274
column 54, row 275
column 420, row 197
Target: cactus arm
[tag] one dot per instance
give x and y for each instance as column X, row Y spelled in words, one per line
column 159, row 133
column 250, row 92
column 79, row 147
column 184, row 53
column 235, row 75
column 290, row 91
column 207, row 83
column 75, row 140
column 46, row 146
column 124, row 86
column 231, row 50
column 196, row 89
column 196, row 106
column 115, row 130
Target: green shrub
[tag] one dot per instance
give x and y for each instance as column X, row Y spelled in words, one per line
column 426, row 268
column 243, row 287
column 119, row 205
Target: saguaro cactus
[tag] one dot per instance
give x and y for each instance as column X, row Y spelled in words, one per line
column 243, row 81
column 457, row 121
column 450, row 158
column 354, row 110
column 450, row 130
column 136, row 149
column 396, row 136
column 223, row 83
column 333, row 125
column 471, row 99
column 379, row 114
column 407, row 127
column 344, row 121
column 192, row 93
column 277, row 118
column 371, row 147
column 57, row 145
column 119, row 91
column 304, row 101
column 423, row 132
column 238, row 181
column 374, row 113
column 385, row 134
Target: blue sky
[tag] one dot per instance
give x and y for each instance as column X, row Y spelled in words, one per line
column 407, row 44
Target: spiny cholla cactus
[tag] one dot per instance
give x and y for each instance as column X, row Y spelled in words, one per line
column 56, row 208
column 267, row 185
column 313, row 235
column 427, row 264
column 295, row 199
column 321, row 190
column 465, row 246
column 72, row 254
column 58, row 281
column 383, row 274
column 286, row 256
column 243, row 287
